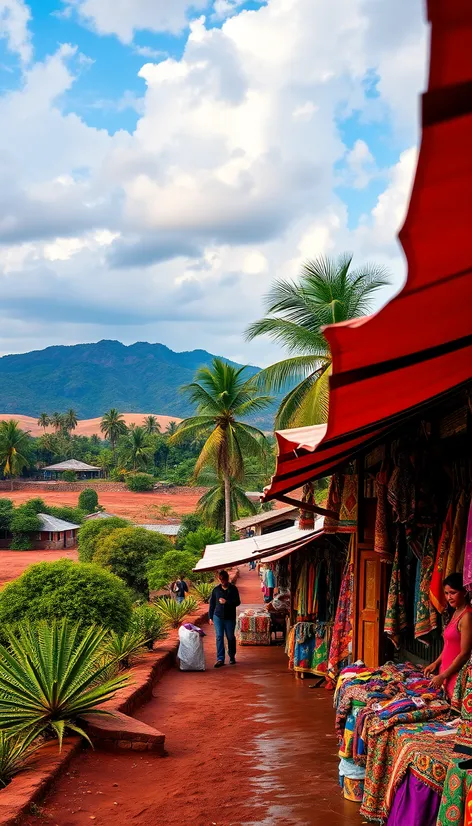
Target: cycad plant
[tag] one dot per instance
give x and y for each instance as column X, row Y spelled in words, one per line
column 173, row 612
column 327, row 291
column 123, row 647
column 146, row 620
column 203, row 590
column 51, row 674
column 15, row 749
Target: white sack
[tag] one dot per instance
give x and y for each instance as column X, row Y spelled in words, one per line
column 190, row 651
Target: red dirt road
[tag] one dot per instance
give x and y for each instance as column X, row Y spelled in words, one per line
column 13, row 563
column 246, row 745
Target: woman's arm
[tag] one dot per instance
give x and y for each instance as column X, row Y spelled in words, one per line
column 431, row 668
column 464, row 654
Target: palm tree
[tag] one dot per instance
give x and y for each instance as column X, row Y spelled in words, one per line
column 222, row 394
column 70, row 420
column 14, row 444
column 44, row 421
column 137, row 448
column 211, row 505
column 113, row 426
column 57, row 421
column 151, row 425
column 328, row 291
column 171, row 428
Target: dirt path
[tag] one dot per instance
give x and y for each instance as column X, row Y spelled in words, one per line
column 13, row 563
column 247, row 744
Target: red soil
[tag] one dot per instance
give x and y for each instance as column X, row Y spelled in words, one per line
column 13, row 563
column 246, row 745
column 138, row 507
column 86, row 427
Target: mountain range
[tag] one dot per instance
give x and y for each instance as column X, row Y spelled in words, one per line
column 92, row 378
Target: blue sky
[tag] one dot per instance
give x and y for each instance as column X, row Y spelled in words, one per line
column 160, row 170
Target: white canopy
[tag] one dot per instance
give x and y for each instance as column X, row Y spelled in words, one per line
column 227, row 554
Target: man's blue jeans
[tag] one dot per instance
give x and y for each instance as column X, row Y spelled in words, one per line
column 223, row 627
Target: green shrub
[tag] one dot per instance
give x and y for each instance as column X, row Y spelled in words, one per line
column 51, row 674
column 88, row 500
column 67, row 512
column 6, row 513
column 79, row 592
column 147, row 620
column 140, row 482
column 167, row 568
column 128, row 551
column 21, row 542
column 92, row 533
column 25, row 520
column 123, row 647
column 189, row 523
column 14, row 751
column 37, row 505
column 173, row 612
column 196, row 541
column 69, row 476
column 203, row 590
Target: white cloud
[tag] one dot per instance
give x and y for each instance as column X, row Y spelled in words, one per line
column 177, row 230
column 125, row 17
column 14, row 19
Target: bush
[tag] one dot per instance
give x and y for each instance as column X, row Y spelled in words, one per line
column 196, row 541
column 203, row 590
column 163, row 571
column 6, row 513
column 122, row 648
column 189, row 523
column 68, row 513
column 147, row 620
column 128, row 551
column 15, row 749
column 21, row 542
column 37, row 505
column 69, row 476
column 140, row 482
column 93, row 532
column 25, row 520
column 80, row 592
column 173, row 612
column 88, row 500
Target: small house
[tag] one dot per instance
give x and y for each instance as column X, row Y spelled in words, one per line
column 81, row 470
column 262, row 523
column 54, row 534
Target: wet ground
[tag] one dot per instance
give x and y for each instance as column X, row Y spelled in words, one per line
column 247, row 744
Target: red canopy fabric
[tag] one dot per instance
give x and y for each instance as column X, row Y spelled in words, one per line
column 418, row 346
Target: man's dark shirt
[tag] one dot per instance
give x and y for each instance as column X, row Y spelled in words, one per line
column 228, row 610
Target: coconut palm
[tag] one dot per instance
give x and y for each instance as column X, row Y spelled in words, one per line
column 70, row 420
column 151, row 425
column 136, row 448
column 113, row 426
column 44, row 421
column 14, row 449
column 171, row 428
column 222, row 394
column 327, row 291
column 211, row 506
column 57, row 421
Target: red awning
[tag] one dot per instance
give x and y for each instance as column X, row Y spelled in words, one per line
column 419, row 346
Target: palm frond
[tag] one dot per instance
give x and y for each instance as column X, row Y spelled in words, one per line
column 290, row 370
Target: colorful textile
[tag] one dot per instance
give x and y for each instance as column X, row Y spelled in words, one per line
column 458, row 536
column 396, row 618
column 307, row 647
column 341, row 642
column 348, row 511
column 425, row 614
column 401, row 490
column 381, row 537
column 467, row 574
column 253, row 627
column 455, row 801
column 414, row 804
column 353, row 789
column 436, row 592
column 307, row 518
column 333, row 504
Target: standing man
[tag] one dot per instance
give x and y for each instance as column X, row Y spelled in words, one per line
column 223, row 603
column 179, row 589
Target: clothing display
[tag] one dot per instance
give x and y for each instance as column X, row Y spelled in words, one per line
column 395, row 618
column 382, row 541
column 307, row 647
column 467, row 575
column 426, row 618
column 341, row 641
column 348, row 509
column 253, row 627
column 415, row 804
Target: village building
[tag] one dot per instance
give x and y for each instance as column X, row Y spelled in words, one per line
column 262, row 523
column 54, row 534
column 81, row 469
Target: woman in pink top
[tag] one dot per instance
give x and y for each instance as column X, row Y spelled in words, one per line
column 457, row 636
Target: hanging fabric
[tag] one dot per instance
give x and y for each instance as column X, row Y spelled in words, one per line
column 458, row 537
column 341, row 642
column 401, row 489
column 426, row 618
column 382, row 543
column 436, row 592
column 348, row 511
column 467, row 575
column 334, row 503
column 307, row 518
column 395, row 618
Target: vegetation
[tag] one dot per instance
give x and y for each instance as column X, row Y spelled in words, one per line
column 189, row 523
column 51, row 673
column 196, row 541
column 211, row 504
column 173, row 612
column 123, row 647
column 203, row 590
column 140, row 482
column 69, row 476
column 93, row 532
column 113, row 426
column 79, row 592
column 88, row 500
column 223, row 396
column 127, row 552
column 44, row 421
column 151, row 425
column 136, row 449
column 14, row 449
column 327, row 291
column 147, row 621
column 169, row 567
column 15, row 749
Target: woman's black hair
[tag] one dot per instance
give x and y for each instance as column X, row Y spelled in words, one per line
column 223, row 575
column 455, row 582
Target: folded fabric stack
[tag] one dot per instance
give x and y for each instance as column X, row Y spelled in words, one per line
column 253, row 627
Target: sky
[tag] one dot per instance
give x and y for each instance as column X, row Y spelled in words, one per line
column 162, row 162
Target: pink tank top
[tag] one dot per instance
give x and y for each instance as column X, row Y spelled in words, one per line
column 451, row 650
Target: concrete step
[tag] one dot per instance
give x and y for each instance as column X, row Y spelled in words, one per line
column 118, row 731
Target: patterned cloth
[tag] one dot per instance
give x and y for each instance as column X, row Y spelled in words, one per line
column 253, row 627
column 333, row 504
column 455, row 555
column 396, row 619
column 456, row 805
column 348, row 511
column 307, row 647
column 341, row 642
column 467, row 575
column 401, row 490
column 436, row 591
column 426, row 618
column 381, row 538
